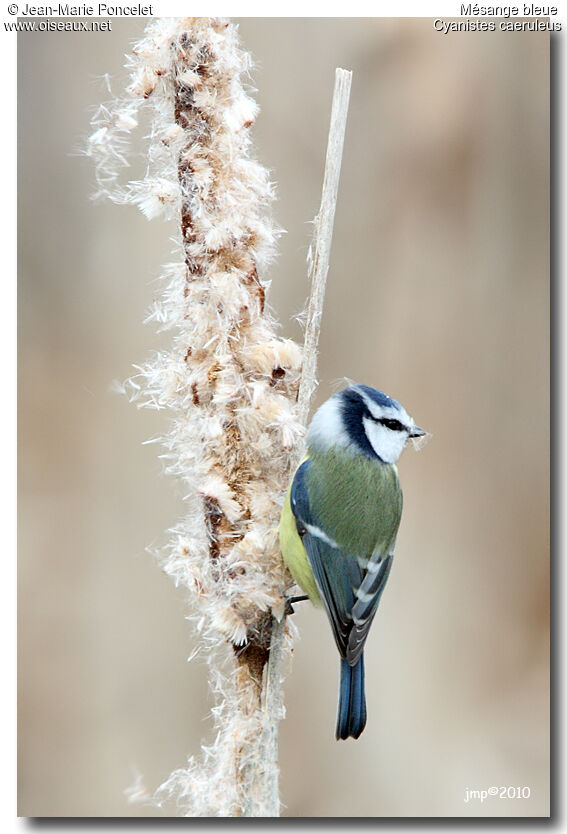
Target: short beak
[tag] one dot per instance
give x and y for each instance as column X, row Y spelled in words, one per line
column 417, row 432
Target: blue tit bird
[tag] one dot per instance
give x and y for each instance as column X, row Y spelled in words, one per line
column 339, row 524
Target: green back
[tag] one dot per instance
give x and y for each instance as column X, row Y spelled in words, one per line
column 358, row 501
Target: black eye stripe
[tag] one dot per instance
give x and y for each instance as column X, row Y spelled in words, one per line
column 388, row 422
column 394, row 425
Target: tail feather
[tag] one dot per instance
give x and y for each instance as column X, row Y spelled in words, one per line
column 351, row 719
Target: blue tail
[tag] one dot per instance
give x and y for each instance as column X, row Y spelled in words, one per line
column 351, row 719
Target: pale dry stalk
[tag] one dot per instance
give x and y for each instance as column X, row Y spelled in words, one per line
column 320, row 251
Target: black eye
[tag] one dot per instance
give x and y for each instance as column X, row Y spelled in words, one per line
column 394, row 425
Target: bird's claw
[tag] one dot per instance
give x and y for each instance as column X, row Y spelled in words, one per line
column 289, row 609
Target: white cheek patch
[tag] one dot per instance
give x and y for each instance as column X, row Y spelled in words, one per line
column 387, row 444
column 326, row 428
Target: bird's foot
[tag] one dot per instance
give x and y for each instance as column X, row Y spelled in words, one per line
column 289, row 601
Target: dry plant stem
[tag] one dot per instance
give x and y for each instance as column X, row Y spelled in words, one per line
column 321, row 248
column 318, row 278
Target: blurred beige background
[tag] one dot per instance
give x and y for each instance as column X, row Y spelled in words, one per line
column 438, row 293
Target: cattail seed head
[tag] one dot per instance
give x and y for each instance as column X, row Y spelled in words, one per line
column 229, row 382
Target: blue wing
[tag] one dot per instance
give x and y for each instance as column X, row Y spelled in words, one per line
column 349, row 586
column 367, row 599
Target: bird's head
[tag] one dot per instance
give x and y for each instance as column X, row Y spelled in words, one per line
column 365, row 421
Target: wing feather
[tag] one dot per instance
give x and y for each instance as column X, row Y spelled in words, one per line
column 336, row 573
column 350, row 586
column 367, row 600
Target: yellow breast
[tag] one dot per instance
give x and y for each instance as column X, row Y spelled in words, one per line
column 294, row 554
